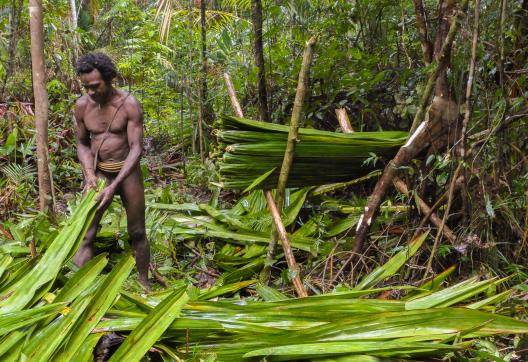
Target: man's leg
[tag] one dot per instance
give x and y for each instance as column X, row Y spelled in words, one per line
column 133, row 197
column 85, row 252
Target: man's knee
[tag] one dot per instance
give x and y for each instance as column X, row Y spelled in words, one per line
column 136, row 234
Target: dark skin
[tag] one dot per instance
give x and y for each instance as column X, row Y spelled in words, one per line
column 123, row 142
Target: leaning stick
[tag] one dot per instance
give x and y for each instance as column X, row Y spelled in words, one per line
column 288, row 253
column 293, row 133
column 344, row 121
column 290, row 259
column 295, row 121
column 232, row 96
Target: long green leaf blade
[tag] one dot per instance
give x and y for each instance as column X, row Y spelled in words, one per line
column 102, row 300
column 151, row 328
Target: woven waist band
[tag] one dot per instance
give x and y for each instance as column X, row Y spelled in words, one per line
column 110, row 166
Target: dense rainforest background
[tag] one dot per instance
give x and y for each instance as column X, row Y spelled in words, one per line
column 403, row 192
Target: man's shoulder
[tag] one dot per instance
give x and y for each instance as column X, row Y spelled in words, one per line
column 131, row 104
column 82, row 102
column 130, row 100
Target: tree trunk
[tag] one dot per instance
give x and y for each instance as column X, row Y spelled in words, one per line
column 203, row 115
column 188, row 84
column 73, row 18
column 421, row 23
column 16, row 13
column 41, row 104
column 256, row 15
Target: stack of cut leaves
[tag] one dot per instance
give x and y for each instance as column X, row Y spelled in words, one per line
column 50, row 314
column 250, row 150
column 345, row 325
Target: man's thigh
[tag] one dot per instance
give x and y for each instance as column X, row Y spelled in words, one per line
column 133, row 196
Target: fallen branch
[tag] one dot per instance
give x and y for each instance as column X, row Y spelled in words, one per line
column 426, row 210
column 156, row 274
column 458, row 184
column 400, row 184
column 416, row 142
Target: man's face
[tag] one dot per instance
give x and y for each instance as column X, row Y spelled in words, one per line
column 96, row 88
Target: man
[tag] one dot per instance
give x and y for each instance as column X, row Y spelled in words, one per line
column 109, row 146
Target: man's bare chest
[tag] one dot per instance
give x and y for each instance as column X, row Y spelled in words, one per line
column 98, row 120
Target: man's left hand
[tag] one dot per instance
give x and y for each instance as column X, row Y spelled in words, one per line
column 105, row 197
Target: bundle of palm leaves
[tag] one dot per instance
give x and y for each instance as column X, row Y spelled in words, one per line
column 249, row 149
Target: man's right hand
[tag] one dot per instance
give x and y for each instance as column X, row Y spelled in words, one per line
column 90, row 183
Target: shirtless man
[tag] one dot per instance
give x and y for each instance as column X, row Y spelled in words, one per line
column 109, row 146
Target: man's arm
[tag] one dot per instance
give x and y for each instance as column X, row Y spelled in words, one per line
column 135, row 145
column 84, row 152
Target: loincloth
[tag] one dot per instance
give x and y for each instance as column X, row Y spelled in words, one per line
column 112, row 167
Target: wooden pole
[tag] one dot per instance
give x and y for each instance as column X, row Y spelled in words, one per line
column 290, row 259
column 290, row 149
column 344, row 121
column 232, row 96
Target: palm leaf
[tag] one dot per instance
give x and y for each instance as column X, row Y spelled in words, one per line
column 151, row 328
column 393, row 265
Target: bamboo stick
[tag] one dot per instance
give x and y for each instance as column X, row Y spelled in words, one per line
column 279, row 225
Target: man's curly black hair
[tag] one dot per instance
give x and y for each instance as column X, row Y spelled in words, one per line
column 99, row 61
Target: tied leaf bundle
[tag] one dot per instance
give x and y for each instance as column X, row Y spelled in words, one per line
column 249, row 149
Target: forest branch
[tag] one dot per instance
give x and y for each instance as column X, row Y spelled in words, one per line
column 416, row 142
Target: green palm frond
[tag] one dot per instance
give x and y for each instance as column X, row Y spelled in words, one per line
column 17, row 174
column 215, row 19
column 237, row 4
